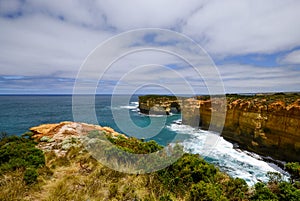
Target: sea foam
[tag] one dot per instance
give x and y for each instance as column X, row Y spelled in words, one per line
column 235, row 162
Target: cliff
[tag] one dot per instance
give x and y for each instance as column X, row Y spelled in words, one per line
column 266, row 124
column 159, row 105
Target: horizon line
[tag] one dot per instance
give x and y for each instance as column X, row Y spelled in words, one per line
column 70, row 94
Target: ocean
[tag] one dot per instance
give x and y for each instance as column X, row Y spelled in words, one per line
column 20, row 112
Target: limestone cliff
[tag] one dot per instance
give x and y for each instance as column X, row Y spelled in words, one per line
column 266, row 124
column 159, row 105
column 268, row 128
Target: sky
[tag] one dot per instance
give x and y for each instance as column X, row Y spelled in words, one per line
column 252, row 46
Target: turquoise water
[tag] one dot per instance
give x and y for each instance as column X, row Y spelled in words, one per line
column 18, row 113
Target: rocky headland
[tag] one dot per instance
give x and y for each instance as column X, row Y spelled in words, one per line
column 60, row 137
column 268, row 124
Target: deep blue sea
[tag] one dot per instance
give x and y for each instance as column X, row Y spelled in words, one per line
column 19, row 113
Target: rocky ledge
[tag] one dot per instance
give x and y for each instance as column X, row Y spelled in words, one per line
column 60, row 137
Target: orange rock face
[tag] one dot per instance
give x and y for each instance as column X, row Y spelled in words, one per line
column 267, row 125
column 68, row 128
column 269, row 129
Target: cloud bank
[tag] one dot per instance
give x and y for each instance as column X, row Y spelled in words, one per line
column 44, row 43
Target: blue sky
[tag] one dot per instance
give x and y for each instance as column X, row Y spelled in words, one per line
column 255, row 44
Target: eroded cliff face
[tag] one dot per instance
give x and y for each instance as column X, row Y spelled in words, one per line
column 265, row 126
column 269, row 129
column 159, row 105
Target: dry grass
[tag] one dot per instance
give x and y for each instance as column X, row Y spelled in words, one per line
column 77, row 176
column 12, row 186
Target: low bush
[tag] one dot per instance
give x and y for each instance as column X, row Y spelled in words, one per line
column 30, row 175
column 189, row 169
column 134, row 145
column 205, row 191
column 294, row 170
column 262, row 192
column 21, row 153
column 288, row 192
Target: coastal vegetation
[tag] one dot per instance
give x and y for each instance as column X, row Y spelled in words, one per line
column 153, row 96
column 19, row 153
column 265, row 98
column 287, row 98
column 294, row 169
column 27, row 173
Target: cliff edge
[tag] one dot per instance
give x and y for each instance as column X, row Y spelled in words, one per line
column 268, row 124
column 60, row 137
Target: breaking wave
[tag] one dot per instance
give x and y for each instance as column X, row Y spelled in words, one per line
column 237, row 163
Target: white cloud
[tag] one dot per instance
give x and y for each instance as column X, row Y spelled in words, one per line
column 40, row 45
column 235, row 77
column 134, row 14
column 51, row 39
column 10, row 6
column 247, row 78
column 291, row 58
column 251, row 26
column 79, row 12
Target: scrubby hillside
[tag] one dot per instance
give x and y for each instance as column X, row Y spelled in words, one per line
column 69, row 172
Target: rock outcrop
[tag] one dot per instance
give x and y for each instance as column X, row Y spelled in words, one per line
column 62, row 136
column 159, row 105
column 266, row 124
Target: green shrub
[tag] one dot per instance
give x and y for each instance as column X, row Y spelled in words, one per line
column 288, row 192
column 134, row 145
column 21, row 153
column 188, row 170
column 205, row 191
column 262, row 192
column 28, row 134
column 17, row 152
column 235, row 189
column 30, row 175
column 294, row 170
column 297, row 184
